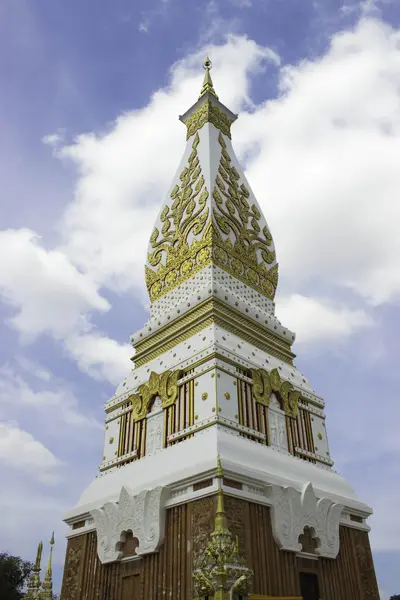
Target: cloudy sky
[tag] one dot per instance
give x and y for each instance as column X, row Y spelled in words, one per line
column 90, row 140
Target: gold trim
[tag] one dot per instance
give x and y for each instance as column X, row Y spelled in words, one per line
column 213, row 311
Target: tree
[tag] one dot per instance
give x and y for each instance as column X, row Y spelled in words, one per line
column 395, row 597
column 14, row 573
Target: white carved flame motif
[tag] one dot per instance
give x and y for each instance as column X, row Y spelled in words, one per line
column 142, row 514
column 291, row 511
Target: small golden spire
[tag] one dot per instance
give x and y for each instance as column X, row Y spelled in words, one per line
column 221, row 523
column 208, row 85
column 46, row 593
column 50, row 555
column 219, row 472
column 33, row 587
column 39, row 556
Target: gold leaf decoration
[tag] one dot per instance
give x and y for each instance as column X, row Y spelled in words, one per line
column 261, row 386
column 208, row 113
column 164, row 385
column 189, row 237
column 265, row 383
column 173, row 253
column 247, row 246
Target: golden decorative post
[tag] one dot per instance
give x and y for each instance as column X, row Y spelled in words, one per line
column 34, row 580
column 46, row 593
column 220, row 571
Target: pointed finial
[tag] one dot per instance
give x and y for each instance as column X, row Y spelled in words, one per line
column 46, row 592
column 39, row 556
column 50, row 555
column 207, row 82
column 33, row 586
column 221, row 523
column 219, row 472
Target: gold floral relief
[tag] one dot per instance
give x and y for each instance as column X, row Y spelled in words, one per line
column 164, row 385
column 240, row 245
column 208, row 113
column 261, row 386
column 190, row 238
column 177, row 249
column 265, row 383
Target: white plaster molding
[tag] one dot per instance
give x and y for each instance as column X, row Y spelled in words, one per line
column 196, row 457
column 143, row 514
column 292, row 510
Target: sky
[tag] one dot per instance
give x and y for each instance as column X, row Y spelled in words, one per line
column 90, row 141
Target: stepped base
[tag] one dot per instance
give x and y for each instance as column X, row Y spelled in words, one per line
column 168, row 572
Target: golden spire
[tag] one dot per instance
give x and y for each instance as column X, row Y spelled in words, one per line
column 39, row 556
column 219, row 472
column 207, row 82
column 50, row 555
column 46, row 593
column 33, row 586
column 221, row 523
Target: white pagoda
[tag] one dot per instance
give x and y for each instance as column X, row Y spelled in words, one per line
column 216, row 480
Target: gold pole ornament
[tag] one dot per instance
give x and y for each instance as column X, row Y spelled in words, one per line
column 39, row 556
column 219, row 472
column 207, row 82
column 46, row 592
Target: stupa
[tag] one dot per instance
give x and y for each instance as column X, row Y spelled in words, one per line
column 36, row 589
column 216, row 480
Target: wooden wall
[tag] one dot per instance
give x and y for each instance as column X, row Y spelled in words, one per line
column 168, row 573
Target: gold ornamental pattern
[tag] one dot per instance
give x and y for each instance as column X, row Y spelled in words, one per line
column 164, row 385
column 265, row 383
column 232, row 237
column 208, row 113
column 250, row 254
column 187, row 215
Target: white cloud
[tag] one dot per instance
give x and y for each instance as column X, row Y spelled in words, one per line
column 54, row 139
column 56, row 406
column 326, row 172
column 101, row 357
column 49, row 294
column 33, row 368
column 19, row 449
column 317, row 320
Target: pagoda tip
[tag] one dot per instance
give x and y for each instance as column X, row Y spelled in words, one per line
column 207, row 82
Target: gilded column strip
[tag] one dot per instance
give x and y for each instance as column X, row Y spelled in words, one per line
column 191, row 402
column 309, row 431
column 240, row 401
column 121, row 435
column 165, row 425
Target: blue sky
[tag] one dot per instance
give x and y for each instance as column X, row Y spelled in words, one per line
column 89, row 143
